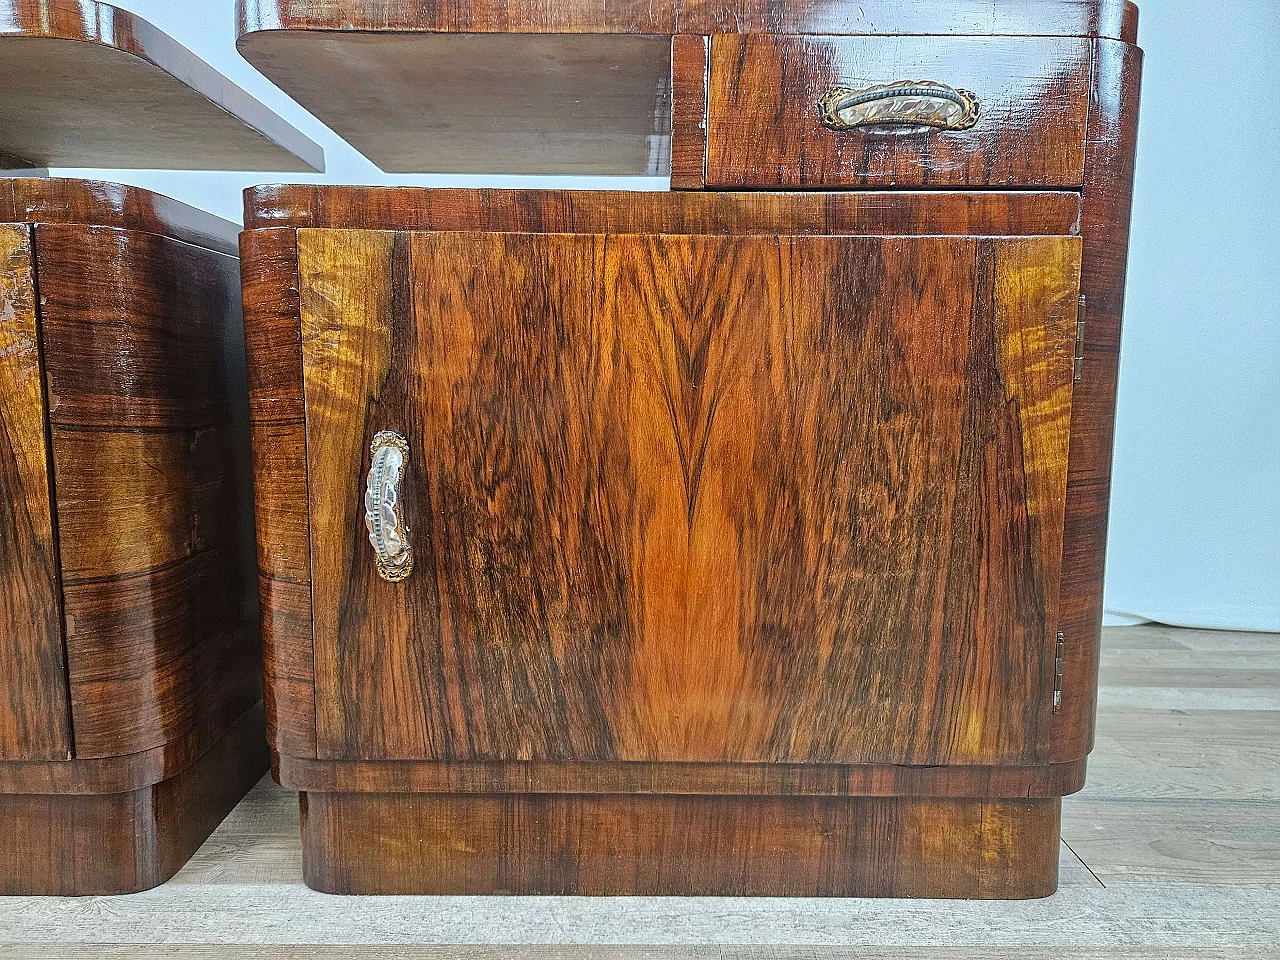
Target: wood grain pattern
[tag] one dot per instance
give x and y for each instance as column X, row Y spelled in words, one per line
column 742, row 779
column 69, row 844
column 90, row 85
column 689, row 66
column 463, row 103
column 692, row 846
column 105, row 204
column 1108, row 198
column 34, row 713
column 894, row 213
column 269, row 276
column 1106, row 18
column 710, row 598
column 134, row 771
column 763, row 128
column 151, row 478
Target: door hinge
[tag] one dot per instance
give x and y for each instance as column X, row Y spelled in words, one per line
column 1060, row 649
column 1077, row 370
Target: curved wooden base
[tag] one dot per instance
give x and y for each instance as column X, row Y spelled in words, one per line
column 655, row 845
column 110, row 843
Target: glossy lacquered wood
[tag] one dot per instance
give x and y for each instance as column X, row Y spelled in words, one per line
column 102, row 203
column 1108, row 197
column 882, row 213
column 712, row 779
column 127, row 408
column 150, row 471
column 577, row 87
column 1069, row 18
column 678, row 463
column 34, row 715
column 638, row 538
column 681, row 845
column 764, row 130
column 87, row 842
column 89, row 85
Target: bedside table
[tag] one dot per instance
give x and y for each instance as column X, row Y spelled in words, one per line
column 745, row 538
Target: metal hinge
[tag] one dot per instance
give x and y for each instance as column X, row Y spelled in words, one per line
column 1077, row 371
column 1057, row 671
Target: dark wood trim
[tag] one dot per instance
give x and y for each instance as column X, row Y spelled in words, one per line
column 1071, row 18
column 690, row 65
column 1108, row 196
column 271, row 313
column 596, row 845
column 100, row 203
column 90, row 843
column 891, row 213
column 123, row 774
column 728, row 779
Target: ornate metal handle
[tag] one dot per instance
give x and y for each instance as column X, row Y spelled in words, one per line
column 382, row 516
column 912, row 103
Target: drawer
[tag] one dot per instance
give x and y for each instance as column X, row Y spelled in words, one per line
column 833, row 111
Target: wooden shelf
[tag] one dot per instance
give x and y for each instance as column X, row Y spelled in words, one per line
column 89, row 85
column 567, row 87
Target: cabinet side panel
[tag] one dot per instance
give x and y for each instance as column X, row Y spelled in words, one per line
column 269, row 270
column 34, row 719
column 1108, row 195
column 145, row 364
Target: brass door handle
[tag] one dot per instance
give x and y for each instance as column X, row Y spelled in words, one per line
column 912, row 103
column 383, row 516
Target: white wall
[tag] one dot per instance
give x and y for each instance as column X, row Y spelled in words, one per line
column 1195, row 521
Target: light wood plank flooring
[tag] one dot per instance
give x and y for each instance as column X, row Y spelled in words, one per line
column 1171, row 851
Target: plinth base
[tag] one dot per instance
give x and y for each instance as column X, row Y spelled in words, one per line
column 654, row 845
column 110, row 843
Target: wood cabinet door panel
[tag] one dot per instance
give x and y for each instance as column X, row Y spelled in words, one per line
column 690, row 498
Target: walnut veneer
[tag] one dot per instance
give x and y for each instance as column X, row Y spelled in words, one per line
column 130, row 687
column 757, row 526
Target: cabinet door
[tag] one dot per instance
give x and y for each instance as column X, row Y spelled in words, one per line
column 690, row 498
column 34, row 717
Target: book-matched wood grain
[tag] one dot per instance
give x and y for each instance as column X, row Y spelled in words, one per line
column 763, row 126
column 149, row 436
column 34, row 713
column 690, row 498
column 679, row 845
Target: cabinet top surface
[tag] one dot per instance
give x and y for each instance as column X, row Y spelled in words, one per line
column 89, row 85
column 101, row 203
column 1103, row 18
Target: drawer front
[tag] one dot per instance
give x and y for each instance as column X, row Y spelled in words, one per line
column 768, row 97
column 685, row 498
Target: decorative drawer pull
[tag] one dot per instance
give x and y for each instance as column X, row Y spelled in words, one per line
column 913, row 103
column 382, row 515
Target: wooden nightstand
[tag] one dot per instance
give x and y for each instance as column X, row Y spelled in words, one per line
column 745, row 538
column 131, row 716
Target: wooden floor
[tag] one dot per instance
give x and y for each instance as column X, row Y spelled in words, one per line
column 1171, row 851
